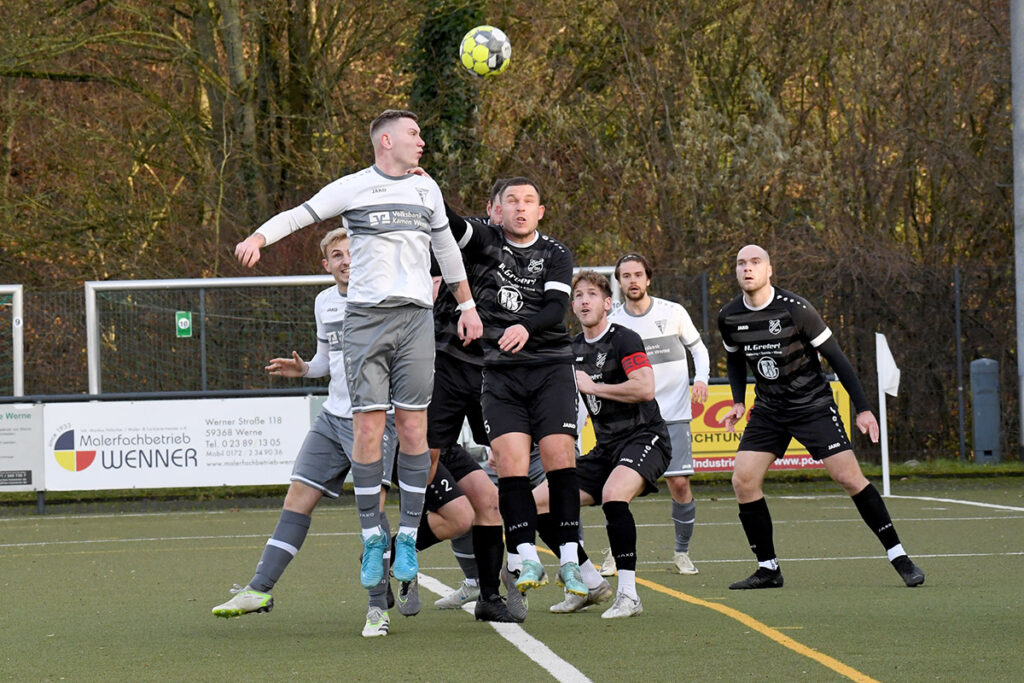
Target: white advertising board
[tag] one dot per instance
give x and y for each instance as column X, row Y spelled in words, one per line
column 161, row 444
column 21, row 440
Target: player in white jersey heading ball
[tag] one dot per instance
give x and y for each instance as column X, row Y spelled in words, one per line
column 668, row 333
column 394, row 219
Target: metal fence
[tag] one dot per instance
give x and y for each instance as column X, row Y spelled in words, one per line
column 133, row 344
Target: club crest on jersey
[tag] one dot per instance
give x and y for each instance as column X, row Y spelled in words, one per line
column 767, row 367
column 510, row 298
column 660, row 324
column 536, row 265
column 423, row 193
column 601, row 359
column 775, row 326
column 593, row 403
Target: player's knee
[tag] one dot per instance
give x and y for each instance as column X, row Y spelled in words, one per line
column 679, row 487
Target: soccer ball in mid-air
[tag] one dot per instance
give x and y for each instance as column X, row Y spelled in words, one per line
column 485, row 51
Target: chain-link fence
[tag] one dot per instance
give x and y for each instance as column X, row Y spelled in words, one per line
column 235, row 331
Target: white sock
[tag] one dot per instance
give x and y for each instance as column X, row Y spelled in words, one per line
column 528, row 551
column 411, row 531
column 895, row 551
column 590, row 575
column 568, row 552
column 627, row 583
column 472, row 582
column 772, row 564
column 514, row 563
column 369, row 533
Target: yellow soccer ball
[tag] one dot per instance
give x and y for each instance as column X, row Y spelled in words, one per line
column 485, row 51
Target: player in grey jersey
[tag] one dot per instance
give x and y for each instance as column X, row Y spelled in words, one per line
column 779, row 335
column 325, row 457
column 395, row 219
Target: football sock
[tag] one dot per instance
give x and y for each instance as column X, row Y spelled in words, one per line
column 487, row 546
column 683, row 517
column 757, row 525
column 627, row 583
column 425, row 536
column 874, row 513
column 379, row 593
column 413, row 471
column 621, row 535
column 366, row 478
column 590, row 575
column 518, row 511
column 564, row 504
column 280, row 549
column 528, row 551
column 547, row 530
column 513, row 561
column 465, row 553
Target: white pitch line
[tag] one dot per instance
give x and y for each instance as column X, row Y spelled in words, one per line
column 540, row 653
column 957, row 501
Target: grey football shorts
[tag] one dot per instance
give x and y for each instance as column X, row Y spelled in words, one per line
column 389, row 357
column 681, row 464
column 323, row 460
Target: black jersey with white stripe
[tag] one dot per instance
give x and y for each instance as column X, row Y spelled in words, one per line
column 512, row 289
column 446, row 313
column 779, row 341
column 609, row 359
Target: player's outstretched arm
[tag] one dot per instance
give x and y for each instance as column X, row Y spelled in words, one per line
column 248, row 250
column 288, row 367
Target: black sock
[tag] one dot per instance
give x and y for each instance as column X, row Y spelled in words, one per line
column 488, row 548
column 874, row 513
column 621, row 533
column 518, row 510
column 547, row 529
column 564, row 503
column 425, row 535
column 757, row 525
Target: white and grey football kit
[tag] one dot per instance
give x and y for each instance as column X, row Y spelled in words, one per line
column 668, row 332
column 393, row 221
column 325, row 456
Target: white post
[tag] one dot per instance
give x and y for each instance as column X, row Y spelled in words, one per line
column 883, row 437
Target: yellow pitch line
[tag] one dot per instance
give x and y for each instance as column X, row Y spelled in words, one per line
column 764, row 629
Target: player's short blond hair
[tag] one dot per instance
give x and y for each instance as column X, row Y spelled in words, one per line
column 330, row 238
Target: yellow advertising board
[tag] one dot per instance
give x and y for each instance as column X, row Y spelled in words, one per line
column 714, row 447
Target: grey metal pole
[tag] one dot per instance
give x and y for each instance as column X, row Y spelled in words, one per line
column 202, row 335
column 704, row 303
column 959, row 361
column 1017, row 101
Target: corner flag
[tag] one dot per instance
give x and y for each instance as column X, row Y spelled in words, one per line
column 888, row 373
column 888, row 383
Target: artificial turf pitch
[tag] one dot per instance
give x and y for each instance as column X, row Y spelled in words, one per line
column 128, row 596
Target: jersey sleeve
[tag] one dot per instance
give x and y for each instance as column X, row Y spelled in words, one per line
column 558, row 275
column 438, row 216
column 810, row 323
column 690, row 338
column 729, row 344
column 629, row 347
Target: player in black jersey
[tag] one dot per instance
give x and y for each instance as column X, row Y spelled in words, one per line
column 633, row 447
column 458, row 368
column 529, row 393
column 779, row 335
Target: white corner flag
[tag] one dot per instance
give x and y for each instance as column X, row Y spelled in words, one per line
column 888, row 383
column 888, row 373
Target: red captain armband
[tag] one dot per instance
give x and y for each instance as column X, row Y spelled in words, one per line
column 635, row 362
